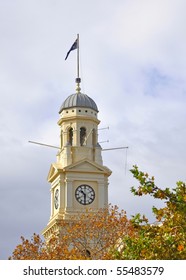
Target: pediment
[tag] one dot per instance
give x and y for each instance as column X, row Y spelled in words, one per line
column 54, row 170
column 86, row 165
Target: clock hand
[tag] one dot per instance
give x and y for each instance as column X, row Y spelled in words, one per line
column 83, row 193
column 84, row 196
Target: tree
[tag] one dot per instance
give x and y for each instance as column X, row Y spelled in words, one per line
column 89, row 236
column 166, row 238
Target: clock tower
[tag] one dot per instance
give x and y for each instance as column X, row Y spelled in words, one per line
column 78, row 178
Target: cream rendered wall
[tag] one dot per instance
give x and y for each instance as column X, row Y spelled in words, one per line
column 74, row 119
column 67, row 184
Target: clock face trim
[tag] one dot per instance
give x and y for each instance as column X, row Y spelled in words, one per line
column 85, row 194
column 56, row 199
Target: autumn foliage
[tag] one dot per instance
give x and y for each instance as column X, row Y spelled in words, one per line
column 90, row 236
column 166, row 238
column 109, row 234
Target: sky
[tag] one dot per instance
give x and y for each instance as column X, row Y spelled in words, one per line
column 132, row 64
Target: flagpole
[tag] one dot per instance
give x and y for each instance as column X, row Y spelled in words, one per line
column 78, row 79
column 77, row 55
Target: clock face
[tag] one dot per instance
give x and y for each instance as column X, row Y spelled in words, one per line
column 56, row 199
column 85, row 194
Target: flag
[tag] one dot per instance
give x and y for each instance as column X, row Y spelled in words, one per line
column 74, row 46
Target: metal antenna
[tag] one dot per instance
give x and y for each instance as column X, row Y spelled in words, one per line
column 55, row 147
column 103, row 128
column 119, row 148
column 43, row 144
column 106, row 141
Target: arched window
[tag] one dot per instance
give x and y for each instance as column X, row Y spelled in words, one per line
column 82, row 136
column 70, row 136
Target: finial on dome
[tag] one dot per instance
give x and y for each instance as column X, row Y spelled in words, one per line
column 78, row 81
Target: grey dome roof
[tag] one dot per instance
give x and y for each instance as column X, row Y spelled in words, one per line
column 78, row 100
